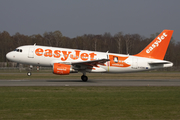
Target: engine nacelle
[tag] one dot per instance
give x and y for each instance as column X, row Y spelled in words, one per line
column 62, row 69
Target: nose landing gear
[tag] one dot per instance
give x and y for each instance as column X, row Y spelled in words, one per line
column 29, row 71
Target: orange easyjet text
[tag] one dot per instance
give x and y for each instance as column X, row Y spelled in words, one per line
column 63, row 55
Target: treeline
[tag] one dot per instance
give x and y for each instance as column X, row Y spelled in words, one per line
column 119, row 43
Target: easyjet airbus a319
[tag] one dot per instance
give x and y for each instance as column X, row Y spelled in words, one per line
column 65, row 61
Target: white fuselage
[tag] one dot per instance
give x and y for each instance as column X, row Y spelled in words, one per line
column 47, row 56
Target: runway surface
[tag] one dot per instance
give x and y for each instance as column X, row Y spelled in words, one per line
column 90, row 83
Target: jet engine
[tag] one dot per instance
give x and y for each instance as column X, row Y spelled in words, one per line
column 63, row 69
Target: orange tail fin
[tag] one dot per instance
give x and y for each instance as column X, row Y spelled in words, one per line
column 157, row 48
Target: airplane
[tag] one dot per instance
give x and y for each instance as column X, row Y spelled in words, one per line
column 65, row 61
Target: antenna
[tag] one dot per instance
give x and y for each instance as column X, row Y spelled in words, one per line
column 107, row 54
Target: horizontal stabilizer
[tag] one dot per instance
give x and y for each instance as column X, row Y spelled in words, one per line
column 159, row 62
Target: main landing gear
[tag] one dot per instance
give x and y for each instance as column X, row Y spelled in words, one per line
column 84, row 78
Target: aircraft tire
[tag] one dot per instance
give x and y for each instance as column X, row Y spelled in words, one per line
column 84, row 78
column 29, row 73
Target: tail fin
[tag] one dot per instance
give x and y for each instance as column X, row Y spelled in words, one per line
column 157, row 48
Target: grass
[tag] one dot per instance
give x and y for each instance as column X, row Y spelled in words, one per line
column 48, row 75
column 91, row 103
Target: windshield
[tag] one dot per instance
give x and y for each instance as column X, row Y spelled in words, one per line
column 18, row 50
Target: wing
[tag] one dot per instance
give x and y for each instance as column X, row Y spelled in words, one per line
column 93, row 62
column 92, row 65
column 89, row 64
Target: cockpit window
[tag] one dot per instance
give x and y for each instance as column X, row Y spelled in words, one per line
column 18, row 50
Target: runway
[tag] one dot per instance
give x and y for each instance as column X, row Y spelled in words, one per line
column 129, row 82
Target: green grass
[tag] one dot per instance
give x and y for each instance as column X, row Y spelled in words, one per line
column 16, row 75
column 91, row 103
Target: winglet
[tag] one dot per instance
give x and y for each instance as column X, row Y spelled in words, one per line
column 157, row 48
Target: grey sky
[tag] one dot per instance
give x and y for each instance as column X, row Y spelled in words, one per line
column 78, row 17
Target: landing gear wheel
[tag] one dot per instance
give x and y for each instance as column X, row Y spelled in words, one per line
column 29, row 73
column 84, row 78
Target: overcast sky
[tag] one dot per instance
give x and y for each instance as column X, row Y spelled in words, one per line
column 78, row 17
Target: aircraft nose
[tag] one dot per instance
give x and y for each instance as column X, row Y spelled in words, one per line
column 9, row 56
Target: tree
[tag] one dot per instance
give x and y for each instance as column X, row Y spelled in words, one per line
column 58, row 38
column 48, row 38
column 5, row 45
column 118, row 38
column 128, row 43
